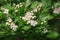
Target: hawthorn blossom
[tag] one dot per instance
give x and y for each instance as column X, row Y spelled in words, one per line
column 39, row 6
column 14, row 4
column 27, row 16
column 33, row 17
column 28, row 13
column 16, row 10
column 9, row 19
column 32, row 22
column 56, row 10
column 17, row 5
column 34, row 10
column 42, row 22
column 6, row 11
column 21, row 4
column 28, row 22
column 45, row 30
column 13, row 26
column 7, row 23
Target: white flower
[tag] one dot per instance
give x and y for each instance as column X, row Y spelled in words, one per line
column 28, row 22
column 14, row 4
column 39, row 8
column 35, row 10
column 20, row 17
column 9, row 19
column 6, row 11
column 21, row 5
column 56, row 10
column 17, row 5
column 33, row 17
column 33, row 22
column 7, row 23
column 32, row 11
column 52, row 7
column 42, row 22
column 27, row 16
column 16, row 10
column 45, row 30
column 13, row 26
column 40, row 5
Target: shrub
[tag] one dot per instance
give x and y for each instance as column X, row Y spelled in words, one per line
column 29, row 19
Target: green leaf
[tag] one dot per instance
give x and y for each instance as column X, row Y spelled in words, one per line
column 26, row 27
column 27, row 3
column 21, row 10
column 57, row 4
column 2, row 34
column 2, row 16
column 45, row 17
column 53, row 35
column 8, row 6
column 46, row 3
column 34, row 4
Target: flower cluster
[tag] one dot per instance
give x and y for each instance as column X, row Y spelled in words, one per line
column 37, row 8
column 5, row 11
column 45, row 30
column 29, row 18
column 17, row 6
column 11, row 24
column 56, row 10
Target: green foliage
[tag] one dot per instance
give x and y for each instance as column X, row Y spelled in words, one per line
column 28, row 2
column 53, row 35
column 26, row 28
column 2, row 16
column 45, row 5
column 34, row 4
column 46, row 27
